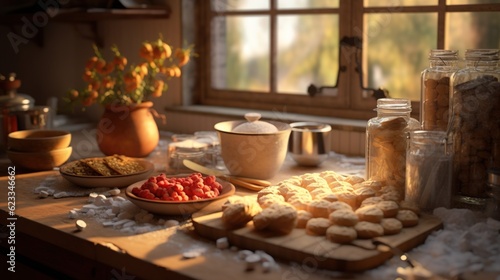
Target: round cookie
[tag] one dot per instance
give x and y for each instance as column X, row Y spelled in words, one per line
column 348, row 197
column 389, row 208
column 370, row 213
column 269, row 199
column 409, row 205
column 343, row 217
column 299, row 202
column 317, row 226
column 302, row 217
column 407, row 217
column 391, row 226
column 328, row 197
column 337, row 205
column 280, row 218
column 366, row 230
column 319, row 208
column 371, row 201
column 341, row 234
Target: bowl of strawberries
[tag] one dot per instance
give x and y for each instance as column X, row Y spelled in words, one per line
column 178, row 194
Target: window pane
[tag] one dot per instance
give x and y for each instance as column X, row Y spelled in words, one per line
column 306, row 4
column 466, row 2
column 397, row 3
column 239, row 5
column 240, row 53
column 394, row 57
column 473, row 31
column 307, row 54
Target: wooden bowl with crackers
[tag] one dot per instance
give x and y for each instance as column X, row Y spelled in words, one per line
column 106, row 172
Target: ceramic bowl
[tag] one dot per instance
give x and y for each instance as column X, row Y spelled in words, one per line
column 177, row 207
column 114, row 181
column 39, row 161
column 253, row 155
column 38, row 140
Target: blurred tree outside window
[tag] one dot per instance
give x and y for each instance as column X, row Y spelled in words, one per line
column 265, row 54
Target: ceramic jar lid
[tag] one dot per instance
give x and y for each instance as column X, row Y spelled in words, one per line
column 254, row 125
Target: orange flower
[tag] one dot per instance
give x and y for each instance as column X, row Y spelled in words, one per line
column 87, row 76
column 146, row 51
column 91, row 63
column 161, row 50
column 158, row 88
column 120, row 62
column 182, row 56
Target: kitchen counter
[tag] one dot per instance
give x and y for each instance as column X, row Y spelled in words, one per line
column 47, row 243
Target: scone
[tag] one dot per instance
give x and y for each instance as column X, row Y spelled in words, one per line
column 344, row 217
column 407, row 217
column 317, row 226
column 302, row 217
column 370, row 213
column 341, row 234
column 280, row 218
column 238, row 214
column 366, row 230
column 319, row 208
column 389, row 208
column 391, row 226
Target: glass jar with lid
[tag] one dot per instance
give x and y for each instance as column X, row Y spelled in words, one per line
column 475, row 126
column 428, row 170
column 387, row 140
column 435, row 89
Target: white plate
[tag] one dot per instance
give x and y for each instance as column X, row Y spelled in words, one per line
column 114, row 181
column 177, row 207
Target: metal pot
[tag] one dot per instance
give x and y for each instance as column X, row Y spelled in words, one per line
column 18, row 111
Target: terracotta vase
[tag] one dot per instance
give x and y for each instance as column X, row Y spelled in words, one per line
column 128, row 130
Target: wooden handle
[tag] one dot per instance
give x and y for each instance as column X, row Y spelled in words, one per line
column 249, row 183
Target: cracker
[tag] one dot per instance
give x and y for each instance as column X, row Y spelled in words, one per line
column 79, row 168
column 98, row 165
column 123, row 165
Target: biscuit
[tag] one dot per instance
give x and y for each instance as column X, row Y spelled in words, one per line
column 268, row 190
column 407, row 217
column 371, row 201
column 337, row 205
column 341, row 234
column 343, row 217
column 370, row 213
column 319, row 208
column 302, row 217
column 299, row 202
column 310, row 178
column 331, row 176
column 297, row 192
column 389, row 208
column 409, row 205
column 366, row 230
column 328, row 197
column 280, row 218
column 391, row 226
column 269, row 199
column 315, row 185
column 320, row 192
column 354, row 179
column 236, row 215
column 363, row 193
column 348, row 197
column 317, row 226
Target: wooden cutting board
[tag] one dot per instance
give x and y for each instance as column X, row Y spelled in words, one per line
column 316, row 251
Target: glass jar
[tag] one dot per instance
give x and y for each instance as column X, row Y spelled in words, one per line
column 435, row 89
column 475, row 126
column 428, row 170
column 386, row 142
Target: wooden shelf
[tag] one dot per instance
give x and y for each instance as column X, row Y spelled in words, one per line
column 75, row 16
column 90, row 15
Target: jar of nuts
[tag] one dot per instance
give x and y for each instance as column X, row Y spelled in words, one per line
column 387, row 140
column 475, row 126
column 435, row 89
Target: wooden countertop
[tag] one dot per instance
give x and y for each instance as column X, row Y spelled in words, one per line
column 44, row 231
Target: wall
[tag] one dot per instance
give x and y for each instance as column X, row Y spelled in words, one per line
column 57, row 66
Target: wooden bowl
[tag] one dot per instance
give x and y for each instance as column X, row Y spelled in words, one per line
column 38, row 140
column 39, row 161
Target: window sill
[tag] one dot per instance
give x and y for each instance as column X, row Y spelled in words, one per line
column 237, row 113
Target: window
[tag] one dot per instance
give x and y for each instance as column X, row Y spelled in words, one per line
column 266, row 54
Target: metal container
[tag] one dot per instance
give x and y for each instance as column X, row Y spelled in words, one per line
column 309, row 143
column 18, row 111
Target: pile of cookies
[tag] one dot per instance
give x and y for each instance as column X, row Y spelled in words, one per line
column 341, row 208
column 103, row 166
